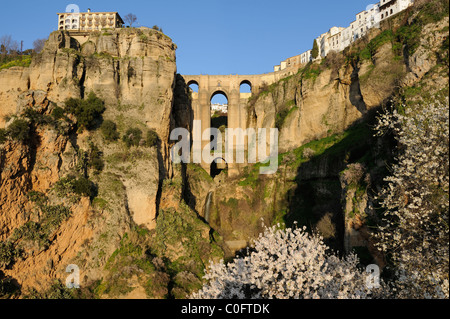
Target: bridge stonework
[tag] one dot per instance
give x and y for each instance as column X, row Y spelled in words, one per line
column 229, row 85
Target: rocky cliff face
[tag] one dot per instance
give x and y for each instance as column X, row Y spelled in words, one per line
column 134, row 72
column 127, row 67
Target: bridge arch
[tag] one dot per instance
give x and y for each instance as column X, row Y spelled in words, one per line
column 218, row 92
column 219, row 110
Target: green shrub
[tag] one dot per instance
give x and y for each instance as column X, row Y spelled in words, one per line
column 8, row 254
column 40, row 233
column 58, row 113
column 81, row 186
column 23, row 61
column 35, row 117
column 311, row 71
column 132, row 137
column 3, row 135
column 56, row 291
column 95, row 160
column 19, row 130
column 37, row 197
column 280, row 117
column 152, row 138
column 109, row 130
column 33, row 232
column 53, row 216
column 84, row 187
column 87, row 112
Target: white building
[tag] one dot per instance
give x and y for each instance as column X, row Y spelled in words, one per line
column 223, row 108
column 346, row 37
column 330, row 41
column 306, row 57
column 391, row 7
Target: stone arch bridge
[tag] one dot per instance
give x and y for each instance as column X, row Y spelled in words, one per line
column 228, row 85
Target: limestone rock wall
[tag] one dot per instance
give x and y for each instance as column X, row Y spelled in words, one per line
column 124, row 67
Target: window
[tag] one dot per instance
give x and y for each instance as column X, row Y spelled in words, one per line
column 392, row 11
column 382, row 16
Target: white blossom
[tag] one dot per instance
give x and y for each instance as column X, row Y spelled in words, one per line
column 287, row 264
column 416, row 201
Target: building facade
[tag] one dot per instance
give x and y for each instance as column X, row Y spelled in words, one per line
column 337, row 38
column 391, row 7
column 89, row 21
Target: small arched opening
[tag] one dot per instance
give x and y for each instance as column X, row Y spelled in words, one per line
column 218, row 166
column 193, row 86
column 245, row 87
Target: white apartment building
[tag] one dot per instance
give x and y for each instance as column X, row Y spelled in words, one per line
column 330, row 41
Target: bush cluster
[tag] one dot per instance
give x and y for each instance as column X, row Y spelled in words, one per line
column 133, row 137
column 88, row 112
column 19, row 130
column 109, row 131
column 95, row 159
column 8, row 254
column 81, row 186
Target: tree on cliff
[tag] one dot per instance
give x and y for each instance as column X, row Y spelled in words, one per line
column 315, row 50
column 288, row 264
column 416, row 201
column 130, row 18
column 38, row 45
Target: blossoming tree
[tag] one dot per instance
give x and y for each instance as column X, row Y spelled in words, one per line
column 416, row 201
column 288, row 264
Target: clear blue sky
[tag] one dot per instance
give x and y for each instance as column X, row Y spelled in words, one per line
column 213, row 36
